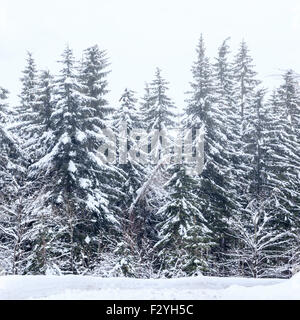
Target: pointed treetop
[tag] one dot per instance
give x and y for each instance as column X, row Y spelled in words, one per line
column 224, row 48
column 68, row 61
column 128, row 97
column 201, row 46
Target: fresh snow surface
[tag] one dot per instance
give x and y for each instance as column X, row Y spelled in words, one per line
column 72, row 167
column 198, row 288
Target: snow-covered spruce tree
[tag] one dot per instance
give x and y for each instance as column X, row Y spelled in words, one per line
column 45, row 106
column 246, row 81
column 259, row 240
column 72, row 169
column 224, row 77
column 26, row 125
column 227, row 116
column 93, row 77
column 32, row 126
column 126, row 118
column 103, row 180
column 247, row 147
column 205, row 110
column 57, row 167
column 7, row 184
column 14, row 220
column 43, row 226
column 224, row 83
column 245, row 86
column 282, row 162
column 131, row 158
column 184, row 235
column 201, row 93
column 44, row 102
column 158, row 117
column 158, row 112
column 8, row 147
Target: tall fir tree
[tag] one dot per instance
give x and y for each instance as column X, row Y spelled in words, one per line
column 206, row 111
column 245, row 87
column 133, row 248
column 27, row 113
column 158, row 118
column 14, row 220
column 258, row 250
column 43, row 220
column 104, row 177
column 7, row 182
column 126, row 122
column 227, row 117
column 282, row 163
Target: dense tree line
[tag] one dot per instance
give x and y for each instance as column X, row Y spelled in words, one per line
column 81, row 193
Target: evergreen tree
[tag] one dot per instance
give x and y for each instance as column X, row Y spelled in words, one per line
column 246, row 85
column 44, row 101
column 93, row 73
column 127, row 119
column 59, row 168
column 160, row 114
column 246, row 81
column 43, row 219
column 226, row 115
column 27, row 113
column 205, row 110
column 7, row 182
column 201, row 94
column 14, row 218
column 8, row 147
column 159, row 117
column 260, row 241
column 184, row 236
column 248, row 162
column 105, row 178
column 282, row 162
column 130, row 158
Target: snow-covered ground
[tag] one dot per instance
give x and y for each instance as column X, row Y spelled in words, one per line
column 94, row 288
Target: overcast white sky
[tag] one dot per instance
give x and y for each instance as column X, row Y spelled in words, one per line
column 140, row 35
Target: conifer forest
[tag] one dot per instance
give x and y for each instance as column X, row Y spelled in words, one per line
column 67, row 208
